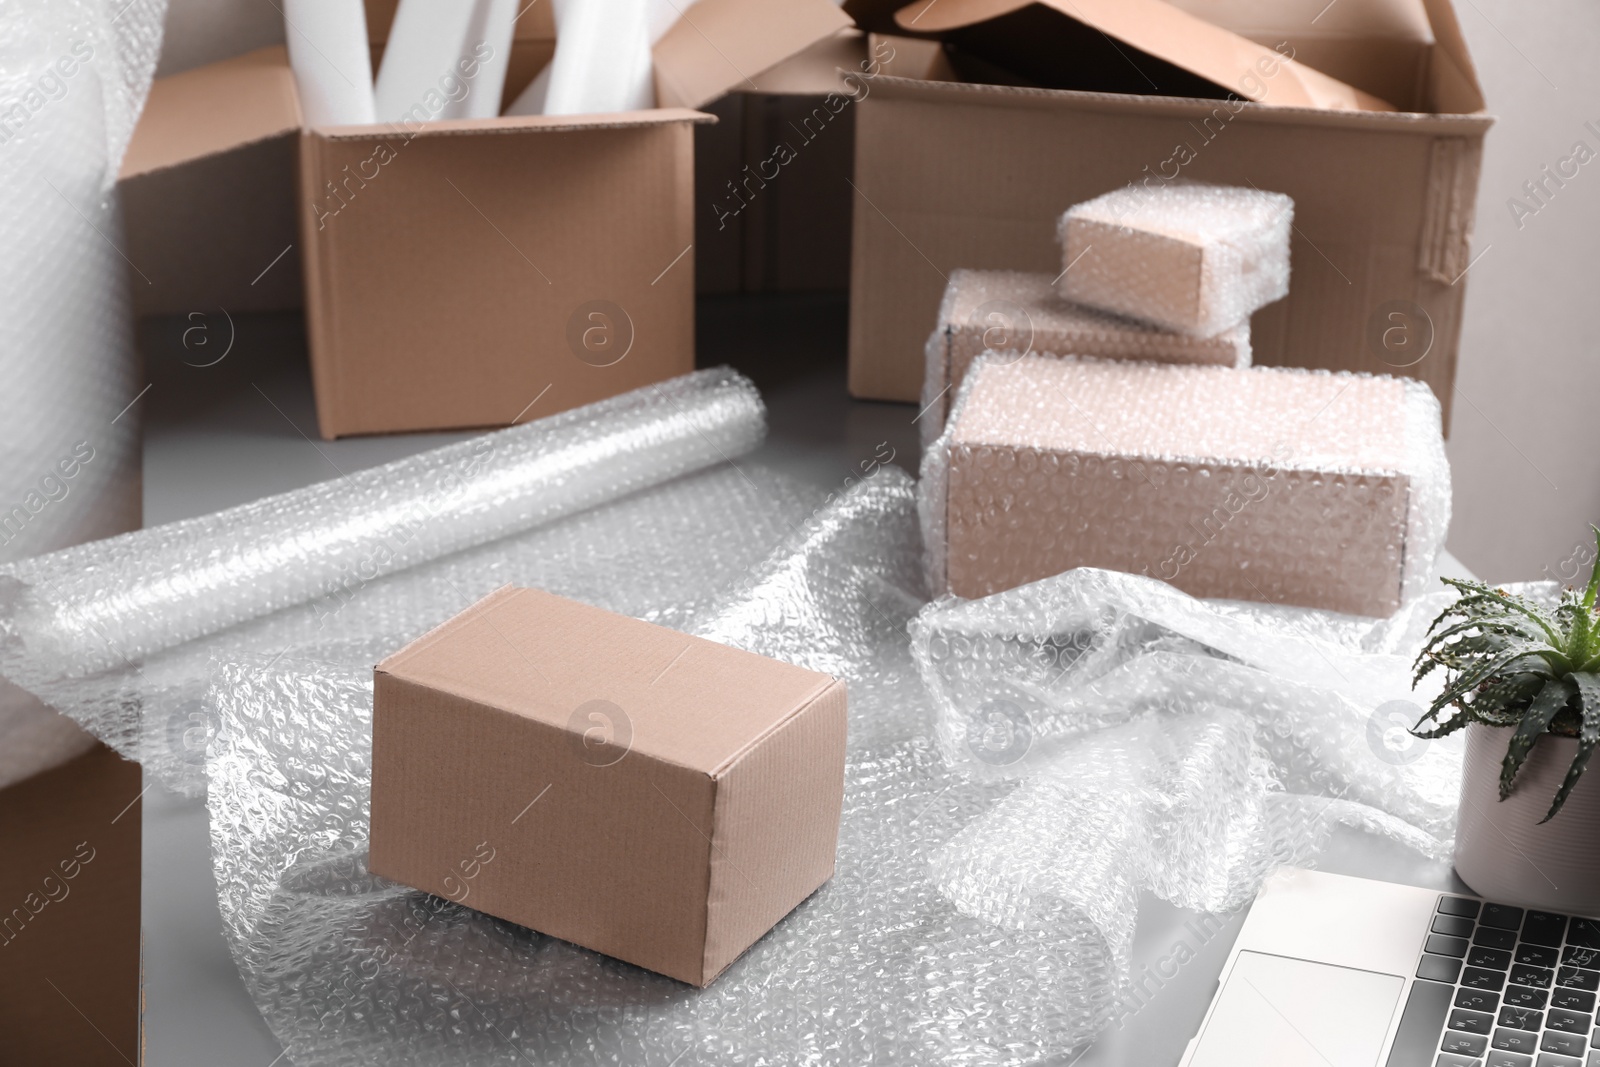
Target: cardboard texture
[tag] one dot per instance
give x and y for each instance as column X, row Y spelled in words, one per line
column 1218, row 480
column 646, row 794
column 69, row 914
column 452, row 272
column 1384, row 202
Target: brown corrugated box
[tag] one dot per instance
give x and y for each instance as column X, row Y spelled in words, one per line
column 654, row 796
column 456, row 271
column 954, row 173
column 69, row 914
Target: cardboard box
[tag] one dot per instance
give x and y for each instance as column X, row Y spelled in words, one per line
column 69, row 914
column 454, row 271
column 958, row 174
column 1014, row 311
column 1235, row 483
column 654, row 796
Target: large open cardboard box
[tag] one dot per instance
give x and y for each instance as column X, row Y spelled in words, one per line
column 957, row 174
column 456, row 273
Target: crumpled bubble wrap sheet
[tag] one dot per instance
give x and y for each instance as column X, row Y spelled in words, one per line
column 120, row 634
column 1266, row 483
column 1187, row 256
column 982, row 910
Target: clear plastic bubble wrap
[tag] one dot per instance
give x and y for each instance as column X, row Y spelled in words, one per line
column 1268, row 483
column 974, row 919
column 1187, row 256
column 1015, row 311
column 73, row 76
column 120, row 633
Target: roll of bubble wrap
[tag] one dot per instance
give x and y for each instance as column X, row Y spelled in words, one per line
column 965, row 925
column 1190, row 257
column 1272, row 484
column 73, row 78
column 1015, row 311
column 119, row 633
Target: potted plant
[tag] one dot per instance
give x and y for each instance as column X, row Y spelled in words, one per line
column 1523, row 680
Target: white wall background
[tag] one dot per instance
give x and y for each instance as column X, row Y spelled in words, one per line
column 1524, row 447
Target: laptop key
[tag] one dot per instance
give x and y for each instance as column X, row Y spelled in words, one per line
column 1478, row 978
column 1507, row 1059
column 1440, row 945
column 1521, row 1018
column 1501, row 916
column 1479, row 956
column 1566, row 1044
column 1584, row 933
column 1472, row 1022
column 1417, row 1039
column 1466, row 1044
column 1459, row 906
column 1450, row 1059
column 1522, row 974
column 1454, row 925
column 1501, row 939
column 1579, row 978
column 1515, row 1041
column 1570, row 1022
column 1572, row 999
column 1477, row 999
column 1544, row 928
column 1550, row 1059
column 1439, row 969
column 1537, row 955
column 1525, row 997
column 1580, row 956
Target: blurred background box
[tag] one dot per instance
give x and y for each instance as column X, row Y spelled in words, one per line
column 453, row 271
column 962, row 174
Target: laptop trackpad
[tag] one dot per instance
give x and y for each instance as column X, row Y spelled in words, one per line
column 1296, row 1013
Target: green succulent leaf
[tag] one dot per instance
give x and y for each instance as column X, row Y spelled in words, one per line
column 1476, row 594
column 1552, row 697
column 1588, row 687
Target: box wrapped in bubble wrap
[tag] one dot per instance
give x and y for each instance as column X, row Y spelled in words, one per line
column 1190, row 257
column 1269, row 484
column 1021, row 312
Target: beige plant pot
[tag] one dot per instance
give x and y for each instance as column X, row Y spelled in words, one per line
column 1503, row 852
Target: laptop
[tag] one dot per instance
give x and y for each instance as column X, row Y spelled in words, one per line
column 1333, row 971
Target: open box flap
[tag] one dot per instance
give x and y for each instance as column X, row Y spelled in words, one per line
column 214, row 109
column 1455, row 79
column 1157, row 28
column 504, row 124
column 719, row 45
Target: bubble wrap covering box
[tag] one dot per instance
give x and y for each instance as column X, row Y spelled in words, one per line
column 1272, row 484
column 963, row 925
column 1015, row 311
column 1199, row 259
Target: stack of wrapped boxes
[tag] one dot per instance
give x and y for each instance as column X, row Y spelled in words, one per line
column 1111, row 418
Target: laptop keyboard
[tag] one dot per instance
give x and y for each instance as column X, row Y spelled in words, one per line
column 1503, row 987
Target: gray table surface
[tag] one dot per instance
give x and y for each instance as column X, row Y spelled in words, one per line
column 244, row 427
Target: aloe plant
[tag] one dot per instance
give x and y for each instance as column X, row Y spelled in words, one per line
column 1511, row 662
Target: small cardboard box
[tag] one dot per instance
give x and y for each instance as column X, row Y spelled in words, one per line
column 654, row 796
column 1264, row 484
column 957, row 173
column 456, row 273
